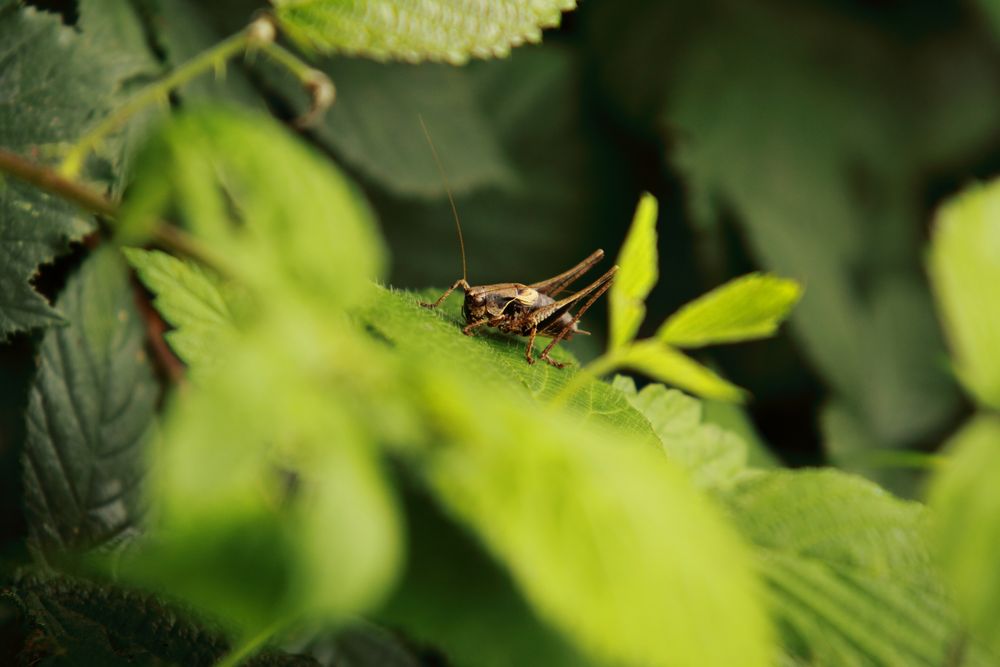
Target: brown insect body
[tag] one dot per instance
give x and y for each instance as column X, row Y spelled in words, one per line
column 525, row 310
column 531, row 310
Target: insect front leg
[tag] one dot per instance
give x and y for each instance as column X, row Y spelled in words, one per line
column 469, row 328
column 531, row 344
column 461, row 282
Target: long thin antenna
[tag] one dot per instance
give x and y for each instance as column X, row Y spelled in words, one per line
column 447, row 188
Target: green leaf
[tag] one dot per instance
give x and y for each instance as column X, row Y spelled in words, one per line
column 601, row 533
column 56, row 80
column 848, row 568
column 964, row 268
column 748, row 307
column 638, row 271
column 966, row 501
column 91, row 406
column 299, row 224
column 443, row 30
column 372, row 97
column 193, row 300
column 711, row 455
column 673, row 367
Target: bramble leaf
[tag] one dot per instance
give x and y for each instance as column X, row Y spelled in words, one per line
column 711, row 455
column 193, row 300
column 90, row 409
column 442, row 30
column 745, row 308
column 848, row 568
column 965, row 269
column 966, row 502
column 55, row 81
column 637, row 273
column 673, row 367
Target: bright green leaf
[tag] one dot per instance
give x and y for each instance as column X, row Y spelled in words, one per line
column 90, row 409
column 848, row 567
column 965, row 268
column 55, row 81
column 712, row 456
column 748, row 307
column 193, row 300
column 671, row 366
column 443, row 30
column 601, row 532
column 966, row 500
column 638, row 271
column 299, row 224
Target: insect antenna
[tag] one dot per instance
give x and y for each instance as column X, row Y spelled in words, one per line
column 447, row 189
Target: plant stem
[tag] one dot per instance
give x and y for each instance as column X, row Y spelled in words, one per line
column 258, row 33
column 248, row 647
column 164, row 235
column 321, row 89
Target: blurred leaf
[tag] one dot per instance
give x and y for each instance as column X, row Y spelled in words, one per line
column 444, row 30
column 90, row 410
column 965, row 266
column 376, row 98
column 748, row 307
column 638, row 271
column 734, row 418
column 56, row 81
column 712, row 456
column 810, row 153
column 301, row 227
column 671, row 366
column 302, row 524
column 966, row 501
column 600, row 532
column 362, row 644
column 82, row 623
column 456, row 598
column 193, row 300
column 848, row 568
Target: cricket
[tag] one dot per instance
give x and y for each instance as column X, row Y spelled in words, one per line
column 530, row 310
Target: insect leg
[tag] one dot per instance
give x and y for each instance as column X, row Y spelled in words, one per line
column 468, row 329
column 531, row 344
column 603, row 284
column 553, row 285
column 458, row 283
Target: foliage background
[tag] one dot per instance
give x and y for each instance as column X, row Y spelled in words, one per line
column 814, row 139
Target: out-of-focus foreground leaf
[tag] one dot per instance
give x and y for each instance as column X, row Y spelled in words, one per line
column 966, row 501
column 965, row 268
column 848, row 569
column 556, row 497
column 56, row 81
column 446, row 30
column 90, row 410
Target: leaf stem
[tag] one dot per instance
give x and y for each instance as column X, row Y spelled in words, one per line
column 256, row 35
column 44, row 178
column 249, row 646
column 316, row 82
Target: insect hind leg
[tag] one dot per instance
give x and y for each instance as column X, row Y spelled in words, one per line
column 608, row 278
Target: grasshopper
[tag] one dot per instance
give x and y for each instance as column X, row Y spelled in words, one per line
column 525, row 310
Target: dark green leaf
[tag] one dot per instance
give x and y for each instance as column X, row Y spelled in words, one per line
column 90, row 411
column 448, row 30
column 56, row 83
